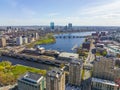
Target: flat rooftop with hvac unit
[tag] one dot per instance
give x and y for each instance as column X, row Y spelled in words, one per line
column 68, row 56
column 31, row 81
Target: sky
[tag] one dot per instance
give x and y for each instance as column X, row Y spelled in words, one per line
column 61, row 12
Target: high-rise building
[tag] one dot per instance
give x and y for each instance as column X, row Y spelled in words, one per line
column 25, row 40
column 52, row 25
column 19, row 40
column 31, row 81
column 104, row 74
column 55, row 79
column 75, row 72
column 69, row 25
column 36, row 36
column 2, row 42
column 104, row 68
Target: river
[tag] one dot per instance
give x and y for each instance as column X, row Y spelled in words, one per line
column 66, row 44
column 61, row 44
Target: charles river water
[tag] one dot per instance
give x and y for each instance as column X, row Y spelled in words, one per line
column 66, row 44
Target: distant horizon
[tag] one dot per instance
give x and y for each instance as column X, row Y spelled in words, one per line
column 79, row 12
column 57, row 25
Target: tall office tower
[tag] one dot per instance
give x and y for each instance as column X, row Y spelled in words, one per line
column 55, row 79
column 31, row 81
column 75, row 72
column 19, row 40
column 2, row 42
column 69, row 25
column 52, row 25
column 104, row 68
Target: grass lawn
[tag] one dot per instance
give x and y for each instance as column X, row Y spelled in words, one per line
column 20, row 70
column 10, row 73
column 43, row 40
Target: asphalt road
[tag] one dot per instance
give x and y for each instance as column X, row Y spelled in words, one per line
column 88, row 61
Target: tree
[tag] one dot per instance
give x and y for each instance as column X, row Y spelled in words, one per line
column 104, row 53
column 1, row 68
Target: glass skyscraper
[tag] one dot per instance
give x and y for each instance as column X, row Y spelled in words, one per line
column 52, row 25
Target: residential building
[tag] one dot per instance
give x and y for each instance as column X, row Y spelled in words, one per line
column 86, row 45
column 116, row 73
column 2, row 42
column 19, row 40
column 104, row 68
column 31, row 81
column 36, row 36
column 95, row 34
column 25, row 40
column 101, row 84
column 55, row 79
column 29, row 39
column 75, row 72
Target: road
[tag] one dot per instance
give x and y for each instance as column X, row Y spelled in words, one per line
column 91, row 56
column 88, row 61
column 87, row 72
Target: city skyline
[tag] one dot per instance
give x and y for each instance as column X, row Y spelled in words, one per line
column 78, row 12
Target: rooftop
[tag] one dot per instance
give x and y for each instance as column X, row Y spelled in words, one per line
column 32, row 77
column 69, row 55
column 56, row 72
column 76, row 62
column 99, row 58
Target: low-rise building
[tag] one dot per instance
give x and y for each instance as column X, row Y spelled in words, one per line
column 68, row 56
column 101, row 84
column 31, row 81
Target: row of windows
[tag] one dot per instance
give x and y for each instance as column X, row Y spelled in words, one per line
column 20, row 82
column 102, row 86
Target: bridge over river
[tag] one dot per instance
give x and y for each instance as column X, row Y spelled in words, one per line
column 70, row 36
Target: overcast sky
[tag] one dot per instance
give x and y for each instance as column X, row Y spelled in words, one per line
column 42, row 12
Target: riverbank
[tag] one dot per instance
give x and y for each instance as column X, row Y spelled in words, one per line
column 47, row 39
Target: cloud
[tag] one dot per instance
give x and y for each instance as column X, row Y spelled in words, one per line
column 104, row 14
column 104, row 11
